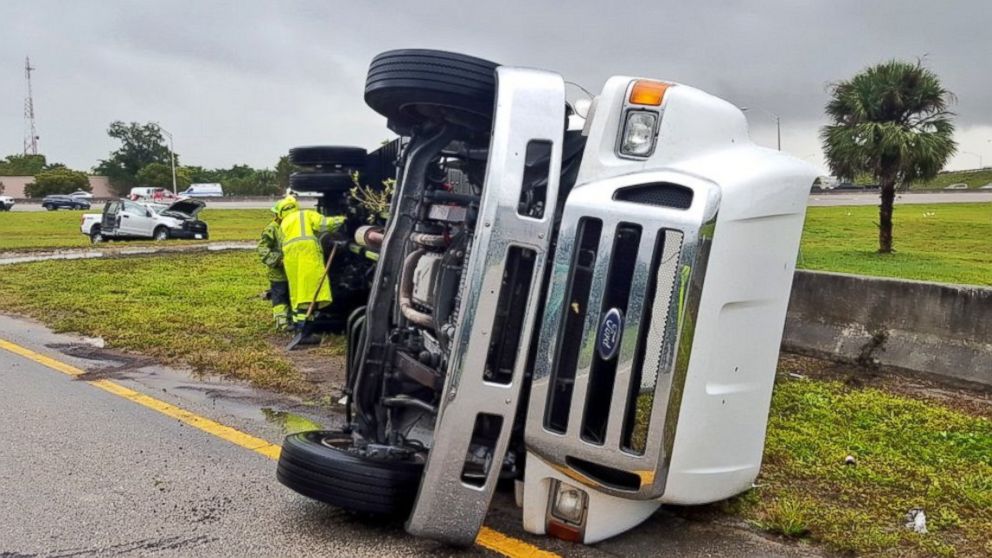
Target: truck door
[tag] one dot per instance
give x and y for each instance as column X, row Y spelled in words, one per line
column 111, row 215
column 134, row 220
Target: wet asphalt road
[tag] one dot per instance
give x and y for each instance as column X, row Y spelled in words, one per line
column 84, row 472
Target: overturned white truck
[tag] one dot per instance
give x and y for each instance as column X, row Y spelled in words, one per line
column 593, row 310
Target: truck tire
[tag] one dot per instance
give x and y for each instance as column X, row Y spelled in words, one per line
column 328, row 156
column 412, row 86
column 49, row 207
column 96, row 235
column 324, row 182
column 161, row 233
column 318, row 465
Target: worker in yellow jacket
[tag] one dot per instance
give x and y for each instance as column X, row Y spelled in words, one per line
column 302, row 256
column 269, row 250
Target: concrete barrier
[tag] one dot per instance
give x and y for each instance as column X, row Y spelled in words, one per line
column 932, row 328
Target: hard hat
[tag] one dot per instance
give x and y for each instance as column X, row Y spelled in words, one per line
column 287, row 204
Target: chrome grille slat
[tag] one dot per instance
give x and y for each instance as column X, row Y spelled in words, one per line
column 593, row 316
column 628, row 342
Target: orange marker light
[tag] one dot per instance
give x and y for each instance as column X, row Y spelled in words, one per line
column 648, row 92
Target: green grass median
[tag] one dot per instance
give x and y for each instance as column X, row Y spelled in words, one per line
column 949, row 243
column 45, row 230
column 200, row 310
column 908, row 453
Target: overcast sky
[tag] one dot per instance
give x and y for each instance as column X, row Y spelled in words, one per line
column 242, row 82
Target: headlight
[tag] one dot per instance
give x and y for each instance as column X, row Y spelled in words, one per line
column 568, row 503
column 638, row 137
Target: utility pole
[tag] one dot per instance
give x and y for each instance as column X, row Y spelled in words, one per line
column 30, row 131
column 172, row 155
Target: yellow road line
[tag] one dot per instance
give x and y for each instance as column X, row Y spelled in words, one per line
column 509, row 546
column 40, row 358
column 488, row 538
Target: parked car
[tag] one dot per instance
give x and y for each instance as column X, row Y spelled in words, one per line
column 127, row 219
column 52, row 203
column 81, row 194
column 209, row 190
column 595, row 313
column 957, row 186
column 986, row 187
column 6, row 203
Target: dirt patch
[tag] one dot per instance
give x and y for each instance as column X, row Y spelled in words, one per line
column 322, row 366
column 974, row 399
column 116, row 365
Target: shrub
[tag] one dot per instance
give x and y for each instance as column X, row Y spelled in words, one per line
column 57, row 181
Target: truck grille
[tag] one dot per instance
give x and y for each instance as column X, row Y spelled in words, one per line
column 602, row 396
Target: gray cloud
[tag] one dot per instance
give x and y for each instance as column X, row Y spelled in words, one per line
column 243, row 81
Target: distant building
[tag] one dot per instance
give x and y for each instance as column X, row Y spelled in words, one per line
column 13, row 186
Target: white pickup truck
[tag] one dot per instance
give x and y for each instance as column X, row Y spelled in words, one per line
column 6, row 203
column 125, row 219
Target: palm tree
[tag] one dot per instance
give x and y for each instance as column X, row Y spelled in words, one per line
column 890, row 121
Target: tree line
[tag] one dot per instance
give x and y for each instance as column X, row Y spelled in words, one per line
column 143, row 159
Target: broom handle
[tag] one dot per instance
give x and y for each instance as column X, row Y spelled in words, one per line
column 320, row 284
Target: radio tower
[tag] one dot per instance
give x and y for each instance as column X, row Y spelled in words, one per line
column 30, row 132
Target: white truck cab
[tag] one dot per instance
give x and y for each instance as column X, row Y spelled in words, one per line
column 126, row 219
column 596, row 313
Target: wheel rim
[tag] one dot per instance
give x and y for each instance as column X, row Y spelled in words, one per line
column 338, row 441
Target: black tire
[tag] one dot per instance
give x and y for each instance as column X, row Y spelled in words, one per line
column 49, row 207
column 328, row 156
column 324, row 182
column 412, row 86
column 96, row 235
column 317, row 465
column 160, row 234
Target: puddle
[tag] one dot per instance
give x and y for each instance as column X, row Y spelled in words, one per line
column 291, row 423
column 87, row 254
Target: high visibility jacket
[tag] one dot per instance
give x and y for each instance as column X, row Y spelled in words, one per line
column 270, row 252
column 303, row 258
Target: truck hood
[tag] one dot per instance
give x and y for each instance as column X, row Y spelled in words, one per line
column 184, row 209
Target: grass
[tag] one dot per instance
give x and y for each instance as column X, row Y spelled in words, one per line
column 60, row 229
column 949, row 243
column 975, row 178
column 909, row 454
column 199, row 310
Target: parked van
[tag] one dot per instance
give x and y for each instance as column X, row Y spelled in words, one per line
column 211, row 190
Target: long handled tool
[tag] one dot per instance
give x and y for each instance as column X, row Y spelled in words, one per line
column 304, row 330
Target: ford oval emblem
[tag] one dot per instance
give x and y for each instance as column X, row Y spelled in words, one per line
column 608, row 339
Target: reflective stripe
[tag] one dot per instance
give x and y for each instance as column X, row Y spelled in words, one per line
column 323, row 225
column 303, row 222
column 301, row 238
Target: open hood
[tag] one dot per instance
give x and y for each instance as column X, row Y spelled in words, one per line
column 187, row 208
